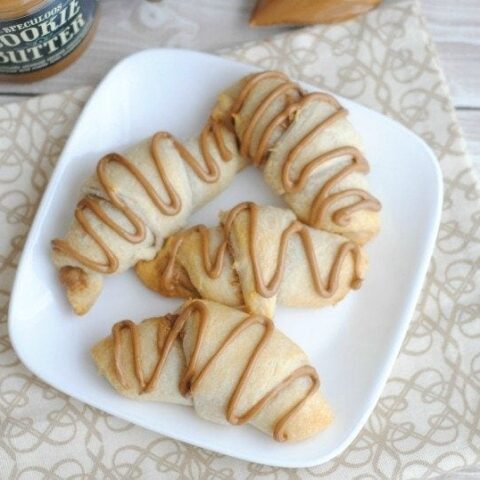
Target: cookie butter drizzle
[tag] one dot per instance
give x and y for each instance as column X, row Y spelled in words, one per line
column 324, row 198
column 116, row 332
column 209, row 173
column 215, row 267
column 193, row 375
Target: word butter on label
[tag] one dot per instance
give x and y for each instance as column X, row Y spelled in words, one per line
column 37, row 41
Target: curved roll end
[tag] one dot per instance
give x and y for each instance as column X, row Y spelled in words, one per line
column 137, row 350
column 225, row 102
column 366, row 227
column 82, row 288
column 151, row 274
column 315, row 416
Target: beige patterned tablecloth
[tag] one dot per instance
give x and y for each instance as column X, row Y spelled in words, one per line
column 427, row 420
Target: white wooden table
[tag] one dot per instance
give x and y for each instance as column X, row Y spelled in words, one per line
column 129, row 25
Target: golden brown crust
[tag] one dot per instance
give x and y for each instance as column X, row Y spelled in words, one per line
column 195, row 263
column 73, row 278
column 82, row 288
column 150, row 274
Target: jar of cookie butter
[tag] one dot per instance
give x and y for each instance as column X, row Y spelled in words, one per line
column 38, row 38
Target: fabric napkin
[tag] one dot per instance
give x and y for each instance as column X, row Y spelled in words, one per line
column 427, row 420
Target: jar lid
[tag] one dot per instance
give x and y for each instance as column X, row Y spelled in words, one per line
column 10, row 9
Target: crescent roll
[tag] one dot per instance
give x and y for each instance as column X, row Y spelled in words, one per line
column 307, row 149
column 237, row 368
column 309, row 152
column 135, row 200
column 258, row 257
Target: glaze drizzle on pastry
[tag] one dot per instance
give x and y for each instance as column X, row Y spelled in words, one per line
column 193, row 375
column 213, row 267
column 208, row 172
column 295, row 100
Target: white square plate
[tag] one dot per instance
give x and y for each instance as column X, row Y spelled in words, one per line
column 353, row 345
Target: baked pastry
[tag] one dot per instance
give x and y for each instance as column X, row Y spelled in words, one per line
column 135, row 200
column 309, row 152
column 258, row 257
column 237, row 368
column 303, row 12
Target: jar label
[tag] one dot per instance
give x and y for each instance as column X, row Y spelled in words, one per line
column 39, row 40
